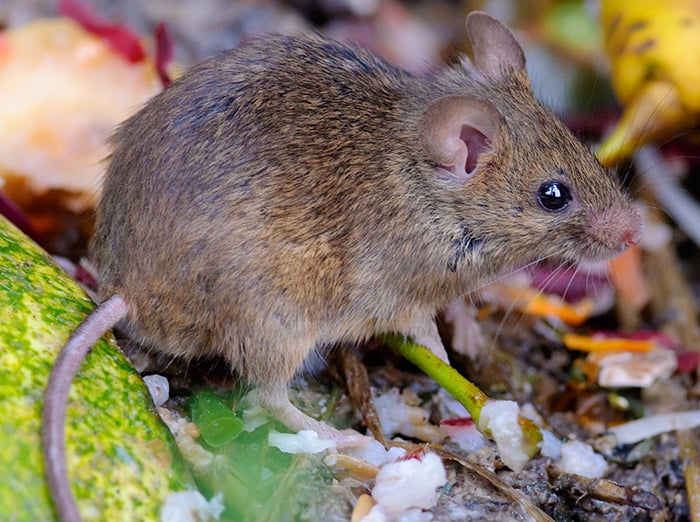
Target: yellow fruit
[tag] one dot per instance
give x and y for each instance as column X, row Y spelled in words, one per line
column 654, row 51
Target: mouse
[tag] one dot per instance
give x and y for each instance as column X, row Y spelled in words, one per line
column 297, row 193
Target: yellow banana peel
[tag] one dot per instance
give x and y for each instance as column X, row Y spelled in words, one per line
column 654, row 51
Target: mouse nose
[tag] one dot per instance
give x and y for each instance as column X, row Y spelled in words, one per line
column 630, row 227
column 631, row 237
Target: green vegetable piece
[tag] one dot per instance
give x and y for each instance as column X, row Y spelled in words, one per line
column 122, row 460
column 216, row 421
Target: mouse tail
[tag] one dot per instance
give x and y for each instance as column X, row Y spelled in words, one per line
column 99, row 322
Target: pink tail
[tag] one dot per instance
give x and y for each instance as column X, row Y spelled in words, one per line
column 99, row 322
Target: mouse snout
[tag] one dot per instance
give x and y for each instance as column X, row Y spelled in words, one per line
column 626, row 228
column 615, row 231
column 631, row 237
column 630, row 228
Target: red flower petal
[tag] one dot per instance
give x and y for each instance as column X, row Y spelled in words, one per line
column 17, row 216
column 687, row 361
column 121, row 39
column 164, row 52
column 460, row 422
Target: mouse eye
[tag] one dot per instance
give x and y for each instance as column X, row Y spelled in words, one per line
column 553, row 196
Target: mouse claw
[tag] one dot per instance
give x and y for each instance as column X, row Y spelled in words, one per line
column 343, row 439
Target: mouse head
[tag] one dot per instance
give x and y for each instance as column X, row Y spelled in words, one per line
column 512, row 173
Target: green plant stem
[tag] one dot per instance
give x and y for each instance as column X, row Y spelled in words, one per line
column 468, row 394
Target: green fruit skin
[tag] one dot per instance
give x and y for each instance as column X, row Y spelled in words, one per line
column 122, row 460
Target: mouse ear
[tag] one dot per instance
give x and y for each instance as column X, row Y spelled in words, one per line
column 495, row 48
column 455, row 131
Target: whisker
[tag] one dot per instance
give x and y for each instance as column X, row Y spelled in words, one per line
column 509, row 273
column 509, row 310
column 680, row 205
column 566, row 289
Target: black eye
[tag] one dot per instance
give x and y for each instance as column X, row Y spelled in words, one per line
column 553, row 196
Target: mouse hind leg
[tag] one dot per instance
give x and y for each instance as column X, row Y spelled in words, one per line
column 271, row 377
column 275, row 399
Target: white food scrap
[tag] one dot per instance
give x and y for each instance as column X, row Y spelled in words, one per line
column 500, row 419
column 405, row 488
column 637, row 430
column 191, row 506
column 305, row 441
column 398, row 415
column 551, row 445
column 579, row 458
column 634, row 369
column 159, row 388
column 374, row 453
column 463, row 432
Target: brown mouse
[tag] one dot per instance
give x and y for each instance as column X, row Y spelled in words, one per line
column 295, row 193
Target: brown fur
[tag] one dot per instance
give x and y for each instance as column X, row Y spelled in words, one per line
column 279, row 198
